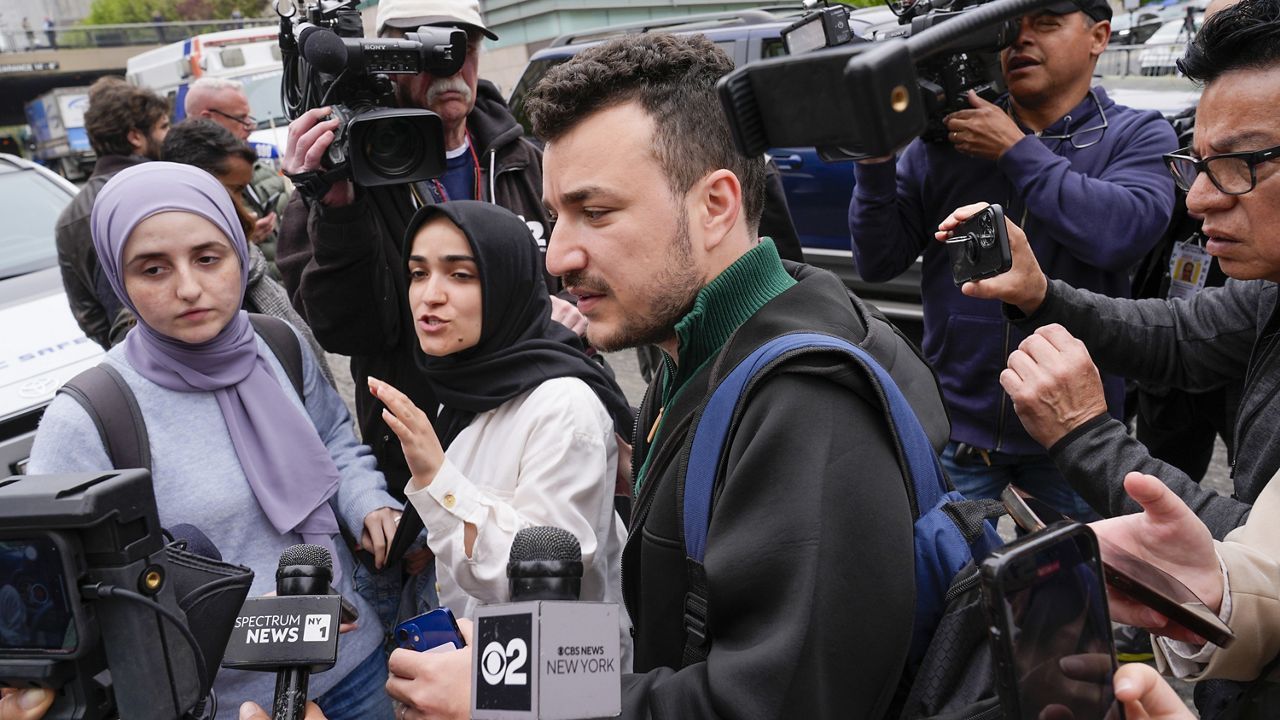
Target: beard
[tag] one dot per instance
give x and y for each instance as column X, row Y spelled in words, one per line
column 671, row 293
column 153, row 150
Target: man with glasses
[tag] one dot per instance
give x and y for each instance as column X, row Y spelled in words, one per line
column 1062, row 159
column 1221, row 335
column 224, row 102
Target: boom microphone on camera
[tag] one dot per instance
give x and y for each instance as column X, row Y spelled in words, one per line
column 546, row 655
column 322, row 48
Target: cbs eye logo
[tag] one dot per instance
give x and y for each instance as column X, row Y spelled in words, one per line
column 502, row 665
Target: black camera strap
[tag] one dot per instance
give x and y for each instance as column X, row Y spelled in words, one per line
column 314, row 184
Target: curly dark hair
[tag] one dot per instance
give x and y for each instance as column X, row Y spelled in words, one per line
column 1244, row 36
column 673, row 77
column 205, row 144
column 115, row 108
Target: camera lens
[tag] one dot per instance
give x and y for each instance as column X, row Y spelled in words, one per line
column 393, row 149
column 402, row 635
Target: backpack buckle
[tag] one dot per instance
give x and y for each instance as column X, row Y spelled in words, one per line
column 695, row 619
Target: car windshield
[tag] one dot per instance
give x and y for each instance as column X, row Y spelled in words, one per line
column 30, row 205
column 263, row 92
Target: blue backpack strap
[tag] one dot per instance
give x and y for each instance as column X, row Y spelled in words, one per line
column 712, row 431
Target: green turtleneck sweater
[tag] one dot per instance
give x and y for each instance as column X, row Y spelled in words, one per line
column 720, row 308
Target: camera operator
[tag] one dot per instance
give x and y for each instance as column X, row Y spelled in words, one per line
column 341, row 256
column 1220, row 335
column 1063, row 159
column 126, row 126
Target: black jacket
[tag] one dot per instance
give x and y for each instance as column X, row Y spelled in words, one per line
column 345, row 271
column 809, row 555
column 93, row 302
column 1222, row 335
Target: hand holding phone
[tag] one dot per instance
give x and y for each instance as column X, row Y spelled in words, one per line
column 433, row 631
column 979, row 247
column 1050, row 630
column 1143, row 582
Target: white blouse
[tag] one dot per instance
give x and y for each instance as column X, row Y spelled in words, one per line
column 547, row 457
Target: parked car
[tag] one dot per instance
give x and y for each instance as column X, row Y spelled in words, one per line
column 1161, row 51
column 818, row 192
column 43, row 346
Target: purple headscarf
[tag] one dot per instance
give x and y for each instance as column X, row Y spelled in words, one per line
column 288, row 467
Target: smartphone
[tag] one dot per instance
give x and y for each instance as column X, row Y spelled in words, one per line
column 1050, row 631
column 979, row 247
column 433, row 631
column 1130, row 574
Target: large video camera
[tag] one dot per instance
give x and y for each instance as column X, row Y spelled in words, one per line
column 327, row 61
column 96, row 605
column 854, row 97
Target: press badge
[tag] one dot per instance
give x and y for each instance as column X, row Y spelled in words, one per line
column 1188, row 268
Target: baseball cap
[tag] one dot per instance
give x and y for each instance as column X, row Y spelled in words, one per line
column 410, row 14
column 1096, row 9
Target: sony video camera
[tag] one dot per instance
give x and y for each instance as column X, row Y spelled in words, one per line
column 97, row 606
column 327, row 61
column 856, row 97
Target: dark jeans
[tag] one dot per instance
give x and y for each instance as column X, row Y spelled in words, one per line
column 1035, row 474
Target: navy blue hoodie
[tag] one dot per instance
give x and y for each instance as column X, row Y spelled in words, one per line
column 1090, row 214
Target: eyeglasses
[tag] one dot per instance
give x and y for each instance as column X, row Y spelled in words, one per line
column 1233, row 173
column 246, row 120
column 1088, row 137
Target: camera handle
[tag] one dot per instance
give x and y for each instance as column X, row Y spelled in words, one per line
column 101, row 591
column 314, row 184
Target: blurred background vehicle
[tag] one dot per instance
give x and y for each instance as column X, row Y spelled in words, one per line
column 57, row 129
column 42, row 346
column 250, row 56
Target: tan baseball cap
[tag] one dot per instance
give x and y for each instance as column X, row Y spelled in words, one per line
column 410, row 14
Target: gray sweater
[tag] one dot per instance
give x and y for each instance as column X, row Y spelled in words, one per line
column 1221, row 335
column 198, row 480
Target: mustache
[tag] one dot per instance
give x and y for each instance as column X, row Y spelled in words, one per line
column 581, row 282
column 453, row 83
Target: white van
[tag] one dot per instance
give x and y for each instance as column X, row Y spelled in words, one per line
column 249, row 55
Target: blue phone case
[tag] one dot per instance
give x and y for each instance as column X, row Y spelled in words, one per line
column 430, row 631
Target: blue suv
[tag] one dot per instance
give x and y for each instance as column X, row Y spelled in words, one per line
column 817, row 192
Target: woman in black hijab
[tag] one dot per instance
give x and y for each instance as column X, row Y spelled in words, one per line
column 528, row 428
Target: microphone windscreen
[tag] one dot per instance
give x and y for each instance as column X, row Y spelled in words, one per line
column 323, row 49
column 545, row 542
column 306, row 554
column 196, row 541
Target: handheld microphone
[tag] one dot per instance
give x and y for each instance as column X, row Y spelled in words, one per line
column 546, row 564
column 304, row 570
column 545, row 654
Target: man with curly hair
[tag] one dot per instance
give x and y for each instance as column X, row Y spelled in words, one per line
column 126, row 126
column 656, row 234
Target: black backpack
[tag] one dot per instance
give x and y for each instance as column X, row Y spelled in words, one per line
column 106, row 397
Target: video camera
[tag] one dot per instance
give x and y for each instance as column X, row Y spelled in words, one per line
column 97, row 606
column 327, row 61
column 853, row 97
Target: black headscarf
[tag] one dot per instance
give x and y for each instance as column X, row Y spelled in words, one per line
column 520, row 346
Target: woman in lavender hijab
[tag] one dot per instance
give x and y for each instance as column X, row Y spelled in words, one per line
column 235, row 451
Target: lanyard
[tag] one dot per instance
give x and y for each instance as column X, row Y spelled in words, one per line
column 441, row 195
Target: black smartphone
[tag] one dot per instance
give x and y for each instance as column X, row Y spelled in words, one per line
column 1130, row 574
column 436, row 630
column 1050, row 630
column 979, row 247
